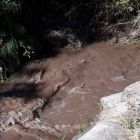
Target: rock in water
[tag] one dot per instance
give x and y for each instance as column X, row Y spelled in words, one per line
column 119, row 116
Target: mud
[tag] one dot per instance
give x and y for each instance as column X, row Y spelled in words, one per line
column 56, row 98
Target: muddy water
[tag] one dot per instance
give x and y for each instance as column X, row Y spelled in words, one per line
column 55, row 98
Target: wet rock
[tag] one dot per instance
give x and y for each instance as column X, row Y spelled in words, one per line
column 124, row 40
column 17, row 127
column 114, row 40
column 104, row 131
column 18, row 115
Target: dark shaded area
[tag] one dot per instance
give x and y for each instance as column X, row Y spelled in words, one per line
column 57, row 24
column 77, row 16
column 89, row 20
column 17, row 90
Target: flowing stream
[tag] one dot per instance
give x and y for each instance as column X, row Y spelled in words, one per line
column 56, row 98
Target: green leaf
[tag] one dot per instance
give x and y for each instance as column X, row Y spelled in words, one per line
column 12, row 49
column 25, row 41
column 26, row 53
column 1, row 77
column 18, row 29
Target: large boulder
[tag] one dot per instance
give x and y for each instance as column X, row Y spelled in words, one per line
column 119, row 119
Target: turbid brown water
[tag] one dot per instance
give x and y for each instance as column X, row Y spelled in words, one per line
column 57, row 97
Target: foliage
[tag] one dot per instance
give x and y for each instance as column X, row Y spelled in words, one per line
column 13, row 38
column 89, row 20
column 1, row 77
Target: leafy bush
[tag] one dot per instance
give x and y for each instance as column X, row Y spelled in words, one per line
column 14, row 43
column 89, row 20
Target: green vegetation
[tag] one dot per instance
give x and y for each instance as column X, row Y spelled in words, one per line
column 78, row 127
column 61, row 137
column 14, row 42
column 22, row 23
column 89, row 120
column 1, row 77
column 130, row 124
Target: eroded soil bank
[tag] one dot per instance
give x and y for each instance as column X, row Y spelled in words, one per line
column 58, row 96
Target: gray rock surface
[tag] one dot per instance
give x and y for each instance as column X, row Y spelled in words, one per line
column 119, row 119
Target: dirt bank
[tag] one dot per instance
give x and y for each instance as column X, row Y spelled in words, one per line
column 58, row 96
